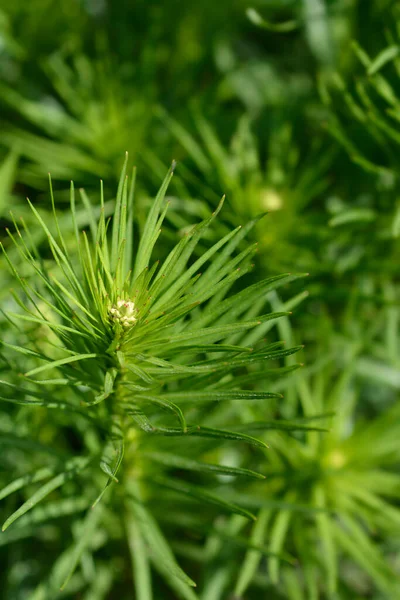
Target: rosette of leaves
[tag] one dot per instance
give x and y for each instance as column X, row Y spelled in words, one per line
column 82, row 125
column 330, row 498
column 118, row 386
column 280, row 173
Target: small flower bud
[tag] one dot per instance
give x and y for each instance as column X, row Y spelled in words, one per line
column 124, row 312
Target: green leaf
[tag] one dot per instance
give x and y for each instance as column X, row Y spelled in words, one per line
column 147, row 238
column 192, row 270
column 329, row 554
column 202, row 496
column 42, row 513
column 253, row 557
column 89, row 527
column 235, row 305
column 139, row 559
column 217, row 396
column 209, row 432
column 7, row 174
column 157, row 546
column 59, row 255
column 117, row 233
column 27, row 479
column 44, row 491
column 58, row 363
column 277, row 536
column 109, row 380
column 180, row 462
column 112, row 456
column 385, row 56
column 209, row 334
column 166, row 403
column 254, row 16
column 396, row 222
column 354, row 215
column 281, row 425
column 47, row 323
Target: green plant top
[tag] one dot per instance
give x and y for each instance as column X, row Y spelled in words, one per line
column 130, row 348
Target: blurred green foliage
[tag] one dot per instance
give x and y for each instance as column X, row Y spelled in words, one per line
column 290, row 107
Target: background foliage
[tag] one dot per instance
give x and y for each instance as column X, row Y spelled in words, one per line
column 290, row 108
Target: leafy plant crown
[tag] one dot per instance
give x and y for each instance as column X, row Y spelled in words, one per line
column 127, row 344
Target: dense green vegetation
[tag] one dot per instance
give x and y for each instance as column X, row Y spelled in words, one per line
column 199, row 398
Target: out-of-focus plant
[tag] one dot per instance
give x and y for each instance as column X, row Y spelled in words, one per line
column 364, row 119
column 331, row 499
column 92, row 116
column 97, row 78
column 277, row 179
column 7, row 179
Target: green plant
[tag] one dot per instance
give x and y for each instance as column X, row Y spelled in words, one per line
column 363, row 117
column 330, row 498
column 92, row 114
column 286, row 183
column 117, row 353
column 349, row 478
column 248, row 102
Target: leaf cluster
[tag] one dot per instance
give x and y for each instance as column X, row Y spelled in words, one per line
column 137, row 351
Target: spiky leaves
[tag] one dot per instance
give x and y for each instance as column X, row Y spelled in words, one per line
column 130, row 346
